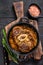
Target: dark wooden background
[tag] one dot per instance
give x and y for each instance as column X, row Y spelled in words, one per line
column 7, row 15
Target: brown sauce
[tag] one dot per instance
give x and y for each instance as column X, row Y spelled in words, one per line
column 22, row 38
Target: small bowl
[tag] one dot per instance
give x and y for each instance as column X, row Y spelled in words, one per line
column 37, row 7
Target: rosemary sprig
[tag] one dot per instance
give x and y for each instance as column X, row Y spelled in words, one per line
column 4, row 41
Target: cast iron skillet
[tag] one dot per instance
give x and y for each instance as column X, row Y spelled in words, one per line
column 21, row 22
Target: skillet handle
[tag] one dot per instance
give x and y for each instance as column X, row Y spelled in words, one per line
column 24, row 20
column 22, row 58
column 40, row 17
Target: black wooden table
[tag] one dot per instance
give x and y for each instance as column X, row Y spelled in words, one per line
column 7, row 15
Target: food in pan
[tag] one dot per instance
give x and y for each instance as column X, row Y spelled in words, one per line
column 34, row 10
column 22, row 38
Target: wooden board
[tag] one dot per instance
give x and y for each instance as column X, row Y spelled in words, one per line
column 19, row 7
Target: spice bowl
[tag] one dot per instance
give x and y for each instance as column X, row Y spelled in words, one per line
column 34, row 11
